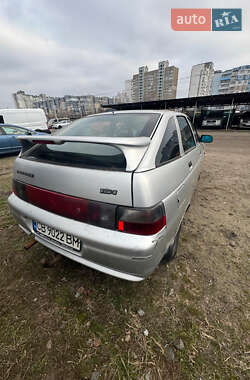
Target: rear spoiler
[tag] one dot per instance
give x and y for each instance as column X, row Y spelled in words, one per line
column 126, row 144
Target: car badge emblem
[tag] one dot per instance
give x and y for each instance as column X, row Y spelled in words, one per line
column 108, row 191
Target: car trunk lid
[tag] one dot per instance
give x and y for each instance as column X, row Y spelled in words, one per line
column 61, row 165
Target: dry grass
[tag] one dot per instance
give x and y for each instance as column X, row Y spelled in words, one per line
column 46, row 332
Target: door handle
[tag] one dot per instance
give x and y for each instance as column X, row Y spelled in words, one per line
column 190, row 164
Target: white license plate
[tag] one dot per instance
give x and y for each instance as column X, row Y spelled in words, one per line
column 54, row 234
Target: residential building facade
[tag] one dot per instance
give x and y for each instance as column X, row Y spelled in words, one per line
column 201, row 79
column 155, row 84
column 23, row 100
column 120, row 97
column 235, row 80
column 66, row 106
column 128, row 91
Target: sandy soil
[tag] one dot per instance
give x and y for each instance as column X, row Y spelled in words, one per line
column 69, row 322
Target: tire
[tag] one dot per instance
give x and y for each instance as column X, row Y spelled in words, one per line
column 172, row 250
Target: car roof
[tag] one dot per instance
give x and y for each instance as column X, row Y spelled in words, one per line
column 13, row 125
column 170, row 113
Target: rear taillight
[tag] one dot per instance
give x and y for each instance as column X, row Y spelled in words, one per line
column 44, row 142
column 147, row 221
column 91, row 212
column 19, row 189
column 143, row 221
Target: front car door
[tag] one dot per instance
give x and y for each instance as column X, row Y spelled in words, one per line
column 8, row 141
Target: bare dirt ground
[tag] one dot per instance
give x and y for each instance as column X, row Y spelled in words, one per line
column 69, row 322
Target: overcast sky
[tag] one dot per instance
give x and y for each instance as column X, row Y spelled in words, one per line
column 79, row 47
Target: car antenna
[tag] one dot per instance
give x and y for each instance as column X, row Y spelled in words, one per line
column 111, row 110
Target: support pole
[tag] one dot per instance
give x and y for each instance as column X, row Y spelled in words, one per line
column 195, row 108
column 229, row 114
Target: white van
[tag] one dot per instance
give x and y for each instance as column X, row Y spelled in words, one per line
column 31, row 118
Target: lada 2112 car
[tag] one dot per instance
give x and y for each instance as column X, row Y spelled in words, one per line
column 111, row 190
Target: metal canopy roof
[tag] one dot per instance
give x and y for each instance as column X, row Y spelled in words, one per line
column 227, row 99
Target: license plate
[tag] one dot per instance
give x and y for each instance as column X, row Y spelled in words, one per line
column 54, row 234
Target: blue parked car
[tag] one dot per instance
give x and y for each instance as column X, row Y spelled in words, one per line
column 8, row 141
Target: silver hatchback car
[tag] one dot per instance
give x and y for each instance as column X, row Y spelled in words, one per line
column 110, row 191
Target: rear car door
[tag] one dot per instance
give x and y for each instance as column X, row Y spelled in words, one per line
column 165, row 181
column 191, row 155
column 169, row 154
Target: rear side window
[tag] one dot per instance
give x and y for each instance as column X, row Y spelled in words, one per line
column 187, row 137
column 195, row 132
column 1, row 119
column 169, row 148
column 9, row 130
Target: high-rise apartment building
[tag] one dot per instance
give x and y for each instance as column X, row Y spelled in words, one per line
column 128, row 91
column 215, row 84
column 155, row 84
column 201, row 79
column 235, row 80
column 23, row 100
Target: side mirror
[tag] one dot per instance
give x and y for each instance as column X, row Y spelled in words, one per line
column 206, row 138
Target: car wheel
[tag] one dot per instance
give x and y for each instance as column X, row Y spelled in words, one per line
column 172, row 250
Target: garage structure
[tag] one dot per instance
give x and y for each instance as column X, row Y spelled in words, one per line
column 195, row 103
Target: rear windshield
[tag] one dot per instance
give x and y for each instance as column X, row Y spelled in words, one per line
column 93, row 155
column 113, row 125
column 79, row 155
column 246, row 115
column 214, row 114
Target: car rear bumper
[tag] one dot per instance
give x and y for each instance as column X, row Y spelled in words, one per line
column 208, row 124
column 122, row 255
column 245, row 125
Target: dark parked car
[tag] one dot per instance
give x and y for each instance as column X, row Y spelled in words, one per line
column 218, row 118
column 245, row 120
